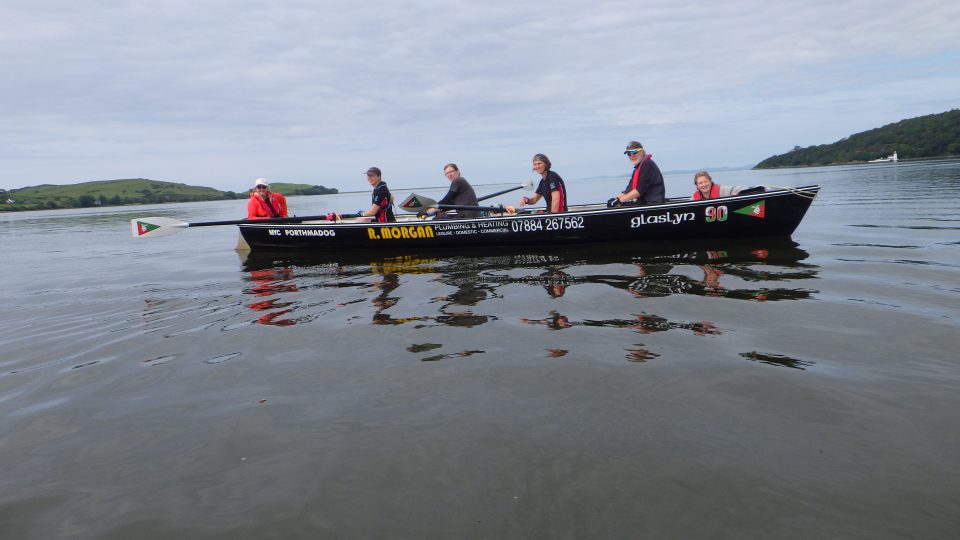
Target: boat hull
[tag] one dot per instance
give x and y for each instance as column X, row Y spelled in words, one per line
column 773, row 213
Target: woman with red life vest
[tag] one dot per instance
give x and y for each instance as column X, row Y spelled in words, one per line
column 551, row 187
column 646, row 183
column 265, row 204
column 706, row 189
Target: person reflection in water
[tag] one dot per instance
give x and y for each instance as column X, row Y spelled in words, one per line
column 384, row 301
column 640, row 355
column 557, row 282
column 652, row 280
column 556, row 290
column 269, row 283
column 705, row 328
column 459, row 308
column 554, row 321
column 711, row 277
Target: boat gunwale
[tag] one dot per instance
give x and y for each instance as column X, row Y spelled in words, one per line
column 810, row 191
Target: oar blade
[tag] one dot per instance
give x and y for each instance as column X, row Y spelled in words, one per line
column 156, row 226
column 416, row 203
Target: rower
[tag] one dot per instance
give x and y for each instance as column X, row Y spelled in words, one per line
column 265, row 204
column 460, row 193
column 646, row 182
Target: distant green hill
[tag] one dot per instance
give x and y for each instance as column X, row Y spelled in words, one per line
column 934, row 135
column 287, row 188
column 128, row 191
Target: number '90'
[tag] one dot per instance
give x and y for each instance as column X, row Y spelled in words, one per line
column 716, row 213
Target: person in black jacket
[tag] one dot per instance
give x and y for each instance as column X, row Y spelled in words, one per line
column 381, row 202
column 646, row 182
column 461, row 193
column 551, row 188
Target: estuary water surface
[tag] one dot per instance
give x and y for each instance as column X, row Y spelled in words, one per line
column 169, row 387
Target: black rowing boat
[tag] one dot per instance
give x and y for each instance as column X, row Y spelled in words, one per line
column 773, row 212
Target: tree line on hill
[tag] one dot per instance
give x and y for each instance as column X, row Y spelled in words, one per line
column 11, row 200
column 934, row 135
column 124, row 192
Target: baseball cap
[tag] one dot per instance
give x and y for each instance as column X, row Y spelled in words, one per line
column 373, row 171
column 260, row 182
column 633, row 148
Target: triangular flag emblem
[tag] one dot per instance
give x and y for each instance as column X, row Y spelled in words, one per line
column 144, row 227
column 411, row 203
column 757, row 210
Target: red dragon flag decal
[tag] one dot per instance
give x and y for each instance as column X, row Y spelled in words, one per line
column 757, row 210
column 412, row 203
column 143, row 228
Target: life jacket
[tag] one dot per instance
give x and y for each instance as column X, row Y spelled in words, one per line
column 257, row 208
column 382, row 198
column 561, row 194
column 548, row 185
column 714, row 193
column 635, row 179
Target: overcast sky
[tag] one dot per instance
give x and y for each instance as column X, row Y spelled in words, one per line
column 218, row 93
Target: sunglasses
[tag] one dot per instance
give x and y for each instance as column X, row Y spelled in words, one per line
column 632, row 152
column 262, row 187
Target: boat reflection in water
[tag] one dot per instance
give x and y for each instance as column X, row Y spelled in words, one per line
column 657, row 275
column 293, row 288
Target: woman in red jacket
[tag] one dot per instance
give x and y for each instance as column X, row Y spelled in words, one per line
column 265, row 204
column 706, row 189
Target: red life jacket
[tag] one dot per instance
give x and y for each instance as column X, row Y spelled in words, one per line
column 635, row 180
column 714, row 193
column 257, row 208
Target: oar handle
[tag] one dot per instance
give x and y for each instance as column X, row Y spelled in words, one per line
column 465, row 207
column 293, row 219
column 499, row 209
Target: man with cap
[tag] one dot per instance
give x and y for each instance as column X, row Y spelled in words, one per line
column 646, row 182
column 265, row 204
column 381, row 203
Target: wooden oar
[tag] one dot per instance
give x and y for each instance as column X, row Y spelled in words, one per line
column 162, row 226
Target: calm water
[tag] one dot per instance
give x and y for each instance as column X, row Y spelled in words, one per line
column 168, row 387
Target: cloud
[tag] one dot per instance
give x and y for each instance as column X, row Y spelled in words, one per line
column 218, row 92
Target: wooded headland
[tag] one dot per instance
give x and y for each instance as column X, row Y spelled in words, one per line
column 129, row 191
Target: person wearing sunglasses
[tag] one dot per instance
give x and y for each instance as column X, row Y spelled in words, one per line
column 264, row 203
column 551, row 187
column 646, row 182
